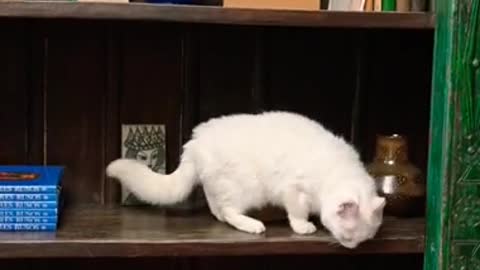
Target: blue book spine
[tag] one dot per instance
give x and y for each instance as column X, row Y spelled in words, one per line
column 30, row 179
column 28, row 204
column 28, row 189
column 28, row 197
column 28, row 213
column 28, row 219
column 28, row 227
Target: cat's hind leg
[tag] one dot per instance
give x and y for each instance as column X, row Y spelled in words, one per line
column 229, row 199
column 297, row 207
column 241, row 221
column 214, row 209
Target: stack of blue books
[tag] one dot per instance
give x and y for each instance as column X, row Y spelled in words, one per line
column 30, row 197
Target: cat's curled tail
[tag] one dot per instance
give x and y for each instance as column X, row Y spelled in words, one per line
column 153, row 187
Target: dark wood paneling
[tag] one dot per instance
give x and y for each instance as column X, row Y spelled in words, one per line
column 396, row 95
column 36, row 100
column 14, row 72
column 112, row 139
column 225, row 71
column 75, row 90
column 312, row 72
column 190, row 80
column 257, row 92
column 94, row 76
column 151, row 81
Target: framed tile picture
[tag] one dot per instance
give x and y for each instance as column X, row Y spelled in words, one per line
column 145, row 143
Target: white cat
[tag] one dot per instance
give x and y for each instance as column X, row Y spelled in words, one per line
column 247, row 161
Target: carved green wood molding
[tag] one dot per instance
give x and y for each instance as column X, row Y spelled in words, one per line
column 465, row 221
column 453, row 227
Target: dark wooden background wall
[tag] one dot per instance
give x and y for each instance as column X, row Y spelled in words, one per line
column 67, row 86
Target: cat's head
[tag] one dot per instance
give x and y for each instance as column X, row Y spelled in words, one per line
column 353, row 221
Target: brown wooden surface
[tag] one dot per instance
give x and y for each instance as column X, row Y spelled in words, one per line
column 210, row 14
column 278, row 262
column 90, row 231
column 319, row 261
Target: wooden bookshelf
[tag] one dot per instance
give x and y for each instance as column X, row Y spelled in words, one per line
column 92, row 231
column 214, row 15
column 80, row 70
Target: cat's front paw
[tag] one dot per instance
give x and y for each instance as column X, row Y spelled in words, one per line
column 303, row 227
column 254, row 226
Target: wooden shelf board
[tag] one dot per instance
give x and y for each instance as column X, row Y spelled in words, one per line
column 91, row 231
column 214, row 15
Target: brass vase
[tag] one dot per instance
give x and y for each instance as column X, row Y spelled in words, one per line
column 397, row 179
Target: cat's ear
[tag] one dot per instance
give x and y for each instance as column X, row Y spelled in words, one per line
column 348, row 210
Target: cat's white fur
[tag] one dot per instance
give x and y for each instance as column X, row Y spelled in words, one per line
column 247, row 161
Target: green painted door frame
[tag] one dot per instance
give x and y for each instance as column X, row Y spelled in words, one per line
column 453, row 211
